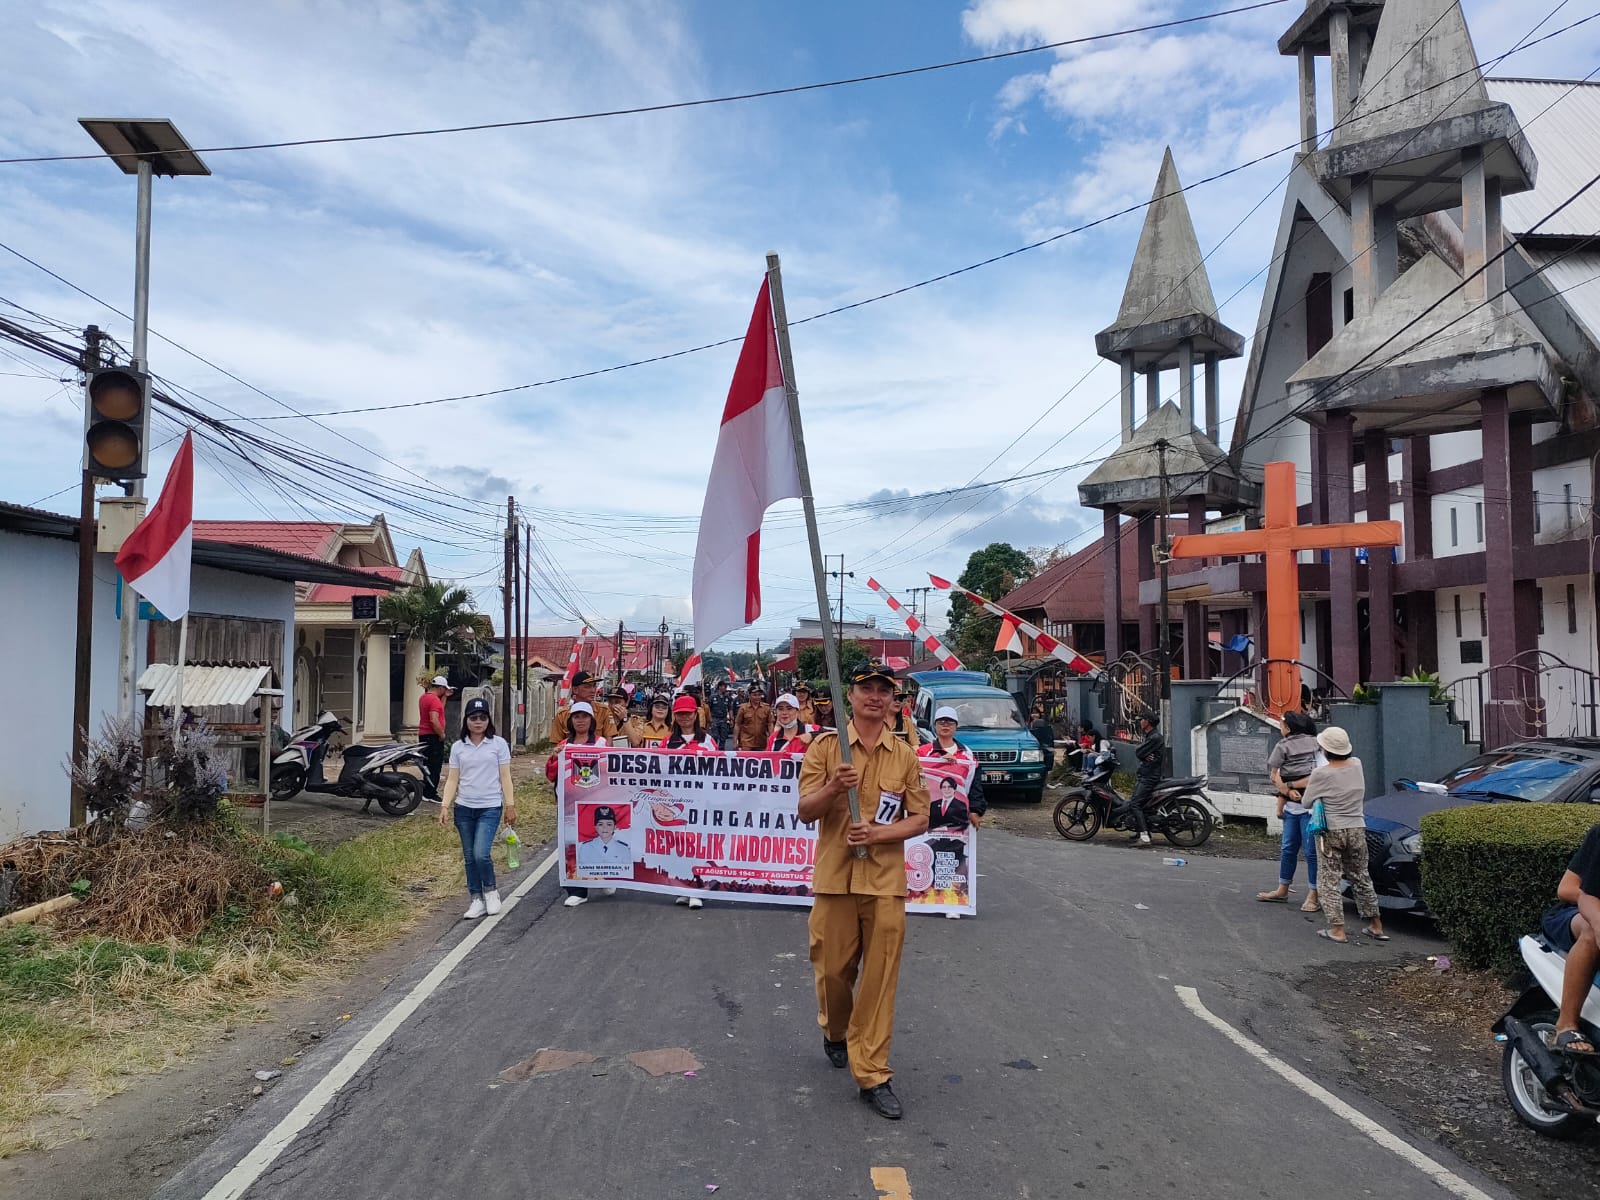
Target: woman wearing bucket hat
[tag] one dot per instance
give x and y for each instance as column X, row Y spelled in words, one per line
column 580, row 730
column 478, row 793
column 1339, row 791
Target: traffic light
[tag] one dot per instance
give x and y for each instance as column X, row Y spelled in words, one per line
column 116, row 422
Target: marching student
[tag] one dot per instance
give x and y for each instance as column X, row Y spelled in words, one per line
column 687, row 731
column 584, row 689
column 622, row 725
column 579, row 730
column 478, row 793
column 753, row 722
column 657, row 728
column 789, row 733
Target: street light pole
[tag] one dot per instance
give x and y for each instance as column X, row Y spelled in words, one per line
column 1163, row 557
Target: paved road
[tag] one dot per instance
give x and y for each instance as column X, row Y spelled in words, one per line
column 1042, row 1052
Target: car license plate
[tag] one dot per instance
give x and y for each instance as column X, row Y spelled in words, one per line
column 994, row 776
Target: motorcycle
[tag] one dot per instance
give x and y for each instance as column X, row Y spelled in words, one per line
column 1179, row 810
column 371, row 772
column 1552, row 1091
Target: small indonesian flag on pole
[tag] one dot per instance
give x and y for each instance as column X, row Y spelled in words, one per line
column 1045, row 643
column 690, row 673
column 754, row 467
column 156, row 558
column 572, row 666
column 1009, row 638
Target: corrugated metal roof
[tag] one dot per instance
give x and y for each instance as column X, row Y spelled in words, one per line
column 1576, row 279
column 204, row 687
column 1560, row 118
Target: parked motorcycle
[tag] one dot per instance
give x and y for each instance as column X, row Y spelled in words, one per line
column 371, row 772
column 1552, row 1091
column 1179, row 810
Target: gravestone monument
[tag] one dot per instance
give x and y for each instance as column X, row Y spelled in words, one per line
column 1231, row 750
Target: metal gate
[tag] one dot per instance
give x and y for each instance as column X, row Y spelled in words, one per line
column 1549, row 697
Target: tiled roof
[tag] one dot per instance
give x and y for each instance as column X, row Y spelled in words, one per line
column 1074, row 589
column 332, row 593
column 309, row 539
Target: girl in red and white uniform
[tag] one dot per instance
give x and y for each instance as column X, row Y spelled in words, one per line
column 945, row 748
column 789, row 733
column 581, row 731
column 687, row 732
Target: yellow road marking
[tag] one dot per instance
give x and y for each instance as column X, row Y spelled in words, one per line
column 891, row 1183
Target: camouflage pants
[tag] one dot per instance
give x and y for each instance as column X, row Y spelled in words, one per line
column 1343, row 853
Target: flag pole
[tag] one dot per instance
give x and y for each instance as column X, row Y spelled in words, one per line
column 830, row 648
column 183, row 654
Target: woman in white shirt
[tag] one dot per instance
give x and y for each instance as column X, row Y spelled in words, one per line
column 478, row 791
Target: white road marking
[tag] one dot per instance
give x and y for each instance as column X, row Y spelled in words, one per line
column 253, row 1165
column 1441, row 1175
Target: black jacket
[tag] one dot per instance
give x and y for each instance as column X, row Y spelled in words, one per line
column 1150, row 754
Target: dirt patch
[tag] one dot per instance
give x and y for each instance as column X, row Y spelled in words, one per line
column 1421, row 1045
column 673, row 1060
column 546, row 1062
column 1237, row 839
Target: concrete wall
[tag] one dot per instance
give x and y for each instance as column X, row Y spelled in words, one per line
column 38, row 637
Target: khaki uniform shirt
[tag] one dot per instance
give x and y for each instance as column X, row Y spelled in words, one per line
column 890, row 768
column 751, row 726
column 629, row 727
column 651, row 734
column 604, row 725
column 808, row 714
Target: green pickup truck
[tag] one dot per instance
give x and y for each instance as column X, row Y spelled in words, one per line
column 991, row 725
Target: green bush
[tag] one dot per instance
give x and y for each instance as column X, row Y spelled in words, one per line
column 1490, row 870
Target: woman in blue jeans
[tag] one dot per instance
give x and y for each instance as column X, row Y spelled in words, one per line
column 1291, row 763
column 477, row 792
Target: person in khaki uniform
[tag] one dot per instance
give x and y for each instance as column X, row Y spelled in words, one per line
column 858, row 916
column 802, row 693
column 625, row 725
column 753, row 723
column 657, row 729
column 584, row 687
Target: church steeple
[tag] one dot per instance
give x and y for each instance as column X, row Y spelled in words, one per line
column 1168, row 317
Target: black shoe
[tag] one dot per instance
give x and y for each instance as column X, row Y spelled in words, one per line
column 884, row 1102
column 838, row 1052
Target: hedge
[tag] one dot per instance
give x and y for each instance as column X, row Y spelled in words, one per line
column 1490, row 870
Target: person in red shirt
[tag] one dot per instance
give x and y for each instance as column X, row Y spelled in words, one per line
column 430, row 730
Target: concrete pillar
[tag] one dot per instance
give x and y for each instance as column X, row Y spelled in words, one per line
column 1482, row 233
column 1319, row 476
column 1147, row 572
column 1344, row 631
column 1186, row 379
column 1512, row 613
column 1374, row 246
column 411, row 690
column 1380, row 563
column 375, row 722
column 1234, row 622
column 1213, row 369
column 1127, row 396
column 1152, row 392
column 1111, row 532
column 1196, row 629
column 1339, row 58
column 1416, row 511
column 1308, row 100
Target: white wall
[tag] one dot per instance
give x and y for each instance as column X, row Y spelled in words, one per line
column 38, row 639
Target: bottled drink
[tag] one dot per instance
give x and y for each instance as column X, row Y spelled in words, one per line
column 513, row 843
column 1175, row 862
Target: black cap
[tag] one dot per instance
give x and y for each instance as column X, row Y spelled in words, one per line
column 616, row 694
column 583, row 677
column 605, row 813
column 875, row 669
column 477, row 706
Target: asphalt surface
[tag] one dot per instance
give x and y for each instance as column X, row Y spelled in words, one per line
column 1041, row 1051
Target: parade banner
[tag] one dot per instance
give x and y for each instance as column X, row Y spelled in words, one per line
column 686, row 823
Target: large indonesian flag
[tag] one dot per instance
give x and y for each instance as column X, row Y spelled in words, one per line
column 754, row 467
column 155, row 560
column 691, row 672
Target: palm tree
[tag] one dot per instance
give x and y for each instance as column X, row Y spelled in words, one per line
column 433, row 613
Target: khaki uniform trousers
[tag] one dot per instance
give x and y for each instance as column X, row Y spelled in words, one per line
column 858, row 936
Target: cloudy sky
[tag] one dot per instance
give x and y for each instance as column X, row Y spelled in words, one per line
column 326, row 278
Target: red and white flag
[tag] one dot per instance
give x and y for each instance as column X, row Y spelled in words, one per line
column 156, row 558
column 1009, row 638
column 754, row 467
column 947, row 661
column 690, row 673
column 1046, row 643
column 565, row 689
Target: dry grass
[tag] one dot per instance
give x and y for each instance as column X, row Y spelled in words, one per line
column 81, row 1012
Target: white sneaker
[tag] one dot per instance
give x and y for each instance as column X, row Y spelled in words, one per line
column 476, row 909
column 952, row 916
column 1144, row 839
column 574, row 901
column 681, row 901
column 491, row 902
column 696, row 902
column 608, row 891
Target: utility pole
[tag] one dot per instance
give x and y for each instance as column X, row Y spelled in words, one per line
column 840, row 575
column 515, row 712
column 82, row 671
column 1163, row 558
column 619, row 653
column 527, row 621
column 505, row 594
column 914, row 593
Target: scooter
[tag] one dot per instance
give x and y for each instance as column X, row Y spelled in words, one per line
column 1552, row 1091
column 1179, row 810
column 372, row 772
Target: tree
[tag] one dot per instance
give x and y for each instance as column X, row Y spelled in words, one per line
column 993, row 571
column 435, row 614
column 813, row 663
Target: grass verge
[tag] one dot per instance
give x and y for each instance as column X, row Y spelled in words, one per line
column 81, row 1013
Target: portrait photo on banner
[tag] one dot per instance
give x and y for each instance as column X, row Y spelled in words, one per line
column 941, row 865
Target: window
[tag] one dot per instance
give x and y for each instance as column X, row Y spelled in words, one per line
column 1455, row 539
column 1458, row 613
column 1319, row 312
column 1572, row 601
column 1349, row 305
column 1483, row 613
column 1538, row 514
column 1566, row 500
column 1538, row 598
column 1478, row 515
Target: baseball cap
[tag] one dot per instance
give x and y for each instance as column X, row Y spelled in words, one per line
column 583, row 677
column 477, row 707
column 946, row 713
column 788, row 698
column 582, row 706
column 873, row 670
column 616, row 694
column 439, row 681
column 685, row 704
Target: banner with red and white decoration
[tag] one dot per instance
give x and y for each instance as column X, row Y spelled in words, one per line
column 726, row 826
